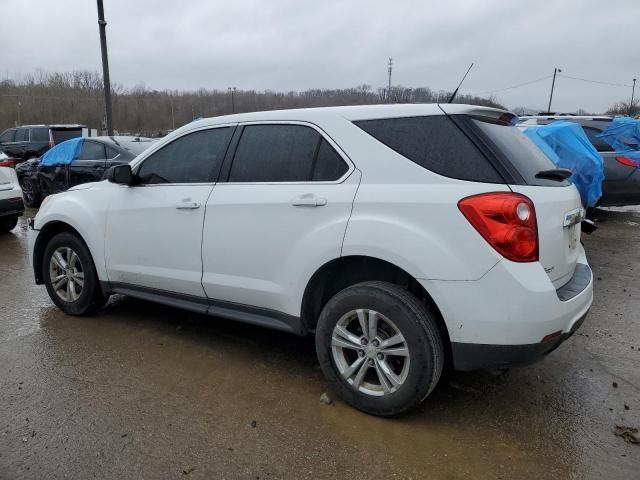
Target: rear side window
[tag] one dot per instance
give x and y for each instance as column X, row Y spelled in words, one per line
column 40, row 134
column 435, row 143
column 8, row 135
column 92, row 151
column 274, row 153
column 193, row 158
column 60, row 135
column 111, row 152
column 516, row 149
column 329, row 166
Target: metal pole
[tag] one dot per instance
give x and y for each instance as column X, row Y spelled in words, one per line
column 105, row 68
column 633, row 91
column 173, row 119
column 553, row 84
column 233, row 105
column 389, row 88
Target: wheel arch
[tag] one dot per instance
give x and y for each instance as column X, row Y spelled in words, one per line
column 47, row 232
column 343, row 272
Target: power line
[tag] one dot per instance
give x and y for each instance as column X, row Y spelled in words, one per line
column 595, row 81
column 515, row 86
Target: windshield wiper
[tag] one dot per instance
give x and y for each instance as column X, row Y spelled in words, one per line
column 557, row 174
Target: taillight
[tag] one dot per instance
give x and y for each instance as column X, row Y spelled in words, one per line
column 507, row 221
column 626, row 161
column 8, row 162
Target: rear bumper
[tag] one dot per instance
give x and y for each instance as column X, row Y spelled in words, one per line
column 512, row 315
column 11, row 206
column 474, row 356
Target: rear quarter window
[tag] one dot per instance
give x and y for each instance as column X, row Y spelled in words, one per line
column 435, row 143
column 40, row 134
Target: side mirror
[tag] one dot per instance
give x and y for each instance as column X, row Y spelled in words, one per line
column 120, row 174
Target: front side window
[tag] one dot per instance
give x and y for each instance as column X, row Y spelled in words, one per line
column 92, row 151
column 193, row 158
column 22, row 135
column 8, row 135
column 285, row 153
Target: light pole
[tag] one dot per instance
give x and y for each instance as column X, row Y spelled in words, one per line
column 390, row 69
column 232, row 91
column 553, row 84
column 633, row 91
column 105, row 68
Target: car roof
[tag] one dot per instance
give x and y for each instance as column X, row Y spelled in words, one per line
column 351, row 113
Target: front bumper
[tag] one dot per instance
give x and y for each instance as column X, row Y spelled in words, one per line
column 512, row 315
column 11, row 206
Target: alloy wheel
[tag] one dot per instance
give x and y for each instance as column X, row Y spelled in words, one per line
column 370, row 352
column 67, row 274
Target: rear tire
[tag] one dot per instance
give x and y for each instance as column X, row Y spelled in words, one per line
column 30, row 193
column 393, row 366
column 7, row 224
column 70, row 275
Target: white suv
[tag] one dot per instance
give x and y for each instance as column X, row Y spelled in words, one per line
column 404, row 236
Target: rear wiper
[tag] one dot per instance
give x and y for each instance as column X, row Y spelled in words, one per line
column 558, row 174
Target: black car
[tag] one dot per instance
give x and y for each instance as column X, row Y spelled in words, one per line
column 31, row 141
column 96, row 155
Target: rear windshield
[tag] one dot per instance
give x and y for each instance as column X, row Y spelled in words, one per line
column 516, row 149
column 136, row 148
column 60, row 135
column 435, row 143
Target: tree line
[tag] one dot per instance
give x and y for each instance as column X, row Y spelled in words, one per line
column 77, row 97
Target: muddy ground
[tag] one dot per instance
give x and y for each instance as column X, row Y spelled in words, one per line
column 146, row 391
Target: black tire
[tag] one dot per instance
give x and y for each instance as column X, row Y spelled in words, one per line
column 30, row 193
column 415, row 321
column 91, row 297
column 7, row 224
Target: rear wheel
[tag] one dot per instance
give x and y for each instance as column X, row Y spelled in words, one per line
column 7, row 224
column 70, row 275
column 380, row 347
column 30, row 193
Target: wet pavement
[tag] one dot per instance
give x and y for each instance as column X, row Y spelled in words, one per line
column 147, row 391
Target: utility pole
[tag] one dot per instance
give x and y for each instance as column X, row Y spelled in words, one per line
column 390, row 69
column 105, row 67
column 173, row 118
column 633, row 91
column 232, row 91
column 553, row 84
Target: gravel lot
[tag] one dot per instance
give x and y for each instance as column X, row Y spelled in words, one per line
column 146, row 391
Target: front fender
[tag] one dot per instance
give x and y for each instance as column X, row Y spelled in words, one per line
column 84, row 211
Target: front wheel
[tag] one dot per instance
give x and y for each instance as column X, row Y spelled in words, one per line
column 380, row 347
column 30, row 193
column 70, row 275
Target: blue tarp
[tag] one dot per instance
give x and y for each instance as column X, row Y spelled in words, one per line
column 566, row 144
column 64, row 153
column 623, row 134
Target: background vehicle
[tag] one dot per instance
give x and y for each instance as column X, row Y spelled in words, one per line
column 29, row 141
column 405, row 236
column 96, row 156
column 11, row 206
column 621, row 184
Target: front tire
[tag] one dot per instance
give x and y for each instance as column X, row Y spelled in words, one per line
column 70, row 275
column 380, row 348
column 30, row 193
column 7, row 224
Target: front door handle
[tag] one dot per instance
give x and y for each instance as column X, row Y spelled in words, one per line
column 308, row 200
column 187, row 204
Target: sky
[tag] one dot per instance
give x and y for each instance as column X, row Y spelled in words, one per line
column 303, row 44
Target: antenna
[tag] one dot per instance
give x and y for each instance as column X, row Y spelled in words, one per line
column 455, row 92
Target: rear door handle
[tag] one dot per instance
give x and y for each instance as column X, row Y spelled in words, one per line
column 308, row 200
column 187, row 204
